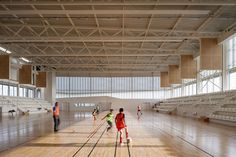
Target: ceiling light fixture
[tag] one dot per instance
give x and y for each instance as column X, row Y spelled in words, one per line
column 5, row 50
column 24, row 59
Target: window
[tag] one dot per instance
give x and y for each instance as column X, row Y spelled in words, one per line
column 21, row 92
column 14, row 91
column 5, row 90
column 11, row 90
column 210, row 81
column 120, row 87
column 1, row 88
column 231, row 53
column 30, row 93
column 230, row 48
column 232, row 80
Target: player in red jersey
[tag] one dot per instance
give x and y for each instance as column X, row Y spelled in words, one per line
column 120, row 124
column 139, row 112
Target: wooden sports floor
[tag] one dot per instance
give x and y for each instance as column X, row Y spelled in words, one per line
column 153, row 135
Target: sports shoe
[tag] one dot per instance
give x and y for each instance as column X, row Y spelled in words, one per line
column 121, row 144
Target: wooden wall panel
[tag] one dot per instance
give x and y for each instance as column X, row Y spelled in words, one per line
column 165, row 79
column 174, row 74
column 5, row 63
column 41, row 80
column 188, row 67
column 25, row 74
column 210, row 55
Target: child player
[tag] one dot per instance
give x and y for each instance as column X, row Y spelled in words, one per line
column 94, row 114
column 120, row 124
column 109, row 118
column 139, row 112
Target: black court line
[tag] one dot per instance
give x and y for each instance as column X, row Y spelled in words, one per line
column 196, row 146
column 116, row 144
column 128, row 149
column 88, row 139
column 97, row 142
column 95, row 130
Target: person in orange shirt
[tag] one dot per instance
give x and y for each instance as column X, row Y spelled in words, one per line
column 121, row 125
column 56, row 112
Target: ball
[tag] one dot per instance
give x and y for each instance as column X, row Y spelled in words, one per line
column 129, row 140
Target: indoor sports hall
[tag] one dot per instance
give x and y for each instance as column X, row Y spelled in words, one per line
column 117, row 78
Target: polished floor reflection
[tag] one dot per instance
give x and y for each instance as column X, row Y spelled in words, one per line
column 16, row 130
column 154, row 134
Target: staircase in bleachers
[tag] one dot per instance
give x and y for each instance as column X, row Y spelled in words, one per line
column 219, row 106
column 6, row 104
column 226, row 112
column 23, row 105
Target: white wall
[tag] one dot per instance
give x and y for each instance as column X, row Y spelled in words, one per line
column 50, row 91
column 67, row 104
column 14, row 74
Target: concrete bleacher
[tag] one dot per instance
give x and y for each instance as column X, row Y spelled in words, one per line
column 220, row 106
column 23, row 105
column 226, row 112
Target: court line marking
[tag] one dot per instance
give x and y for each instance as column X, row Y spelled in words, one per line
column 195, row 146
column 116, row 144
column 88, row 139
column 198, row 148
column 95, row 130
column 128, row 149
column 97, row 142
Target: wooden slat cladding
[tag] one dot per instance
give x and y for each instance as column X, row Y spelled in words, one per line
column 165, row 79
column 41, row 80
column 174, row 74
column 25, row 74
column 210, row 55
column 188, row 67
column 4, row 67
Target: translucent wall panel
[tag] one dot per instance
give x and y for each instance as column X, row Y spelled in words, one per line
column 232, row 80
column 120, row 87
column 231, row 52
column 210, row 81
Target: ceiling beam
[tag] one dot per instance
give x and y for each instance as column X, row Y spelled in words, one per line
column 111, row 28
column 104, row 12
column 173, row 53
column 23, row 39
column 134, row 3
column 109, row 71
column 230, row 31
column 104, row 64
column 108, row 74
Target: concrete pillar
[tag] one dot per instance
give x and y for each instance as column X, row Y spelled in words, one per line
column 50, row 90
column 225, row 80
column 198, row 88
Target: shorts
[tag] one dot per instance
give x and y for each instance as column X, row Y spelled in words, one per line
column 109, row 123
column 120, row 128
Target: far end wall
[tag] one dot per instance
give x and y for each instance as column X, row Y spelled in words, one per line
column 105, row 103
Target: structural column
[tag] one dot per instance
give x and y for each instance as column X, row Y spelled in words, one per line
column 50, row 90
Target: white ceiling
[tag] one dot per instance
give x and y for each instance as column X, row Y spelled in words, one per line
column 111, row 37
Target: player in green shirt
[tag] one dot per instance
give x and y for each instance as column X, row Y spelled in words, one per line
column 109, row 118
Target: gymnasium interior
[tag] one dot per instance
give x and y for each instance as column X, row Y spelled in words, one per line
column 175, row 60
